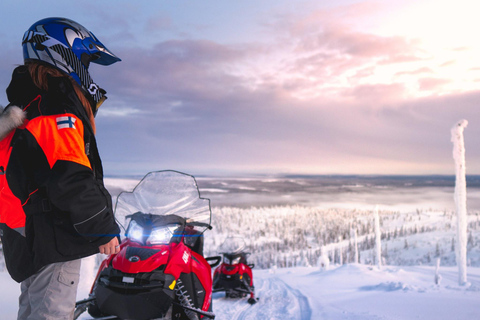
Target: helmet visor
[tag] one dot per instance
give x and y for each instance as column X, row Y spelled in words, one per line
column 98, row 52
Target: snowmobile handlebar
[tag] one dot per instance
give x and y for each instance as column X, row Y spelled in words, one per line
column 199, row 224
column 214, row 261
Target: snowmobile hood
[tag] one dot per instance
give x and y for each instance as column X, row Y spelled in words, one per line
column 135, row 259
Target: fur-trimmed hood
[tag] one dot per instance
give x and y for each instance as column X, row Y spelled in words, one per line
column 20, row 92
column 11, row 118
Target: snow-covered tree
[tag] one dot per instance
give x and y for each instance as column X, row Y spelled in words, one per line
column 340, row 252
column 323, row 260
column 378, row 244
column 355, row 244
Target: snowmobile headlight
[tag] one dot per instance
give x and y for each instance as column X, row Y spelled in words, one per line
column 161, row 235
column 233, row 261
column 135, row 232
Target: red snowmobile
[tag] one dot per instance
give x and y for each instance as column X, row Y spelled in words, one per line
column 234, row 275
column 160, row 271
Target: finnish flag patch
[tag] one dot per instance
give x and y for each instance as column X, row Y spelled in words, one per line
column 66, row 122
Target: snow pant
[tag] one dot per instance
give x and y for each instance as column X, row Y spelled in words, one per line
column 50, row 294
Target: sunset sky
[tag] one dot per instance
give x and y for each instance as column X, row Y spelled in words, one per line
column 276, row 86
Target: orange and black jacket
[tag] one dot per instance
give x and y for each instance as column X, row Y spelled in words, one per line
column 54, row 206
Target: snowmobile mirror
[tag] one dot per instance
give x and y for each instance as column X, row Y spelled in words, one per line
column 214, row 261
column 252, row 265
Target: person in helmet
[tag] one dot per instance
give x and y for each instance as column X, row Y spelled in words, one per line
column 55, row 209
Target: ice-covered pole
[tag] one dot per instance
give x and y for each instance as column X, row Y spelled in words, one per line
column 460, row 197
column 378, row 244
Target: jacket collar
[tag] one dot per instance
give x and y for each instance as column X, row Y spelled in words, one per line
column 21, row 89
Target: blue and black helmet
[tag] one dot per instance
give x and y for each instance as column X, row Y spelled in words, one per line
column 70, row 47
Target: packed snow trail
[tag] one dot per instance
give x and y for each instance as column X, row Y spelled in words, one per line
column 277, row 300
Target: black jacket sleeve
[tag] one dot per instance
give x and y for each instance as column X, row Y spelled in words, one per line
column 73, row 190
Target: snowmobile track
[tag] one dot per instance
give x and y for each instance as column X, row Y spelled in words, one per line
column 305, row 310
column 277, row 300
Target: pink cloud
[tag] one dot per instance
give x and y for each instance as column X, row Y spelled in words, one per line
column 418, row 71
column 357, row 44
column 377, row 94
column 448, row 63
column 429, row 84
column 334, row 30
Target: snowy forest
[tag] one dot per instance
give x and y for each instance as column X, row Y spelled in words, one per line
column 289, row 236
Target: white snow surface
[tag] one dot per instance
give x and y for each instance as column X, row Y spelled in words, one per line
column 351, row 291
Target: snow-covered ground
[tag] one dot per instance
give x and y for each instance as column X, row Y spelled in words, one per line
column 353, row 291
column 413, row 240
column 357, row 292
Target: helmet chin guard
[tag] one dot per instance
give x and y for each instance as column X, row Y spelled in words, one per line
column 71, row 48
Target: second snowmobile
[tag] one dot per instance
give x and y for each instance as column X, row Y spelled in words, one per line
column 234, row 276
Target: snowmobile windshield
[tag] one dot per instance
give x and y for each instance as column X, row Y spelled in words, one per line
column 165, row 193
column 233, row 246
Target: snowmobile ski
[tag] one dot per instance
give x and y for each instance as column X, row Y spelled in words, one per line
column 207, row 314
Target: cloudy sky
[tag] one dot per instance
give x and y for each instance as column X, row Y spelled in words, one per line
column 276, row 86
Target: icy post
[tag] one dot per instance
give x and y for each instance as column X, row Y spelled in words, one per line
column 460, row 197
column 378, row 244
